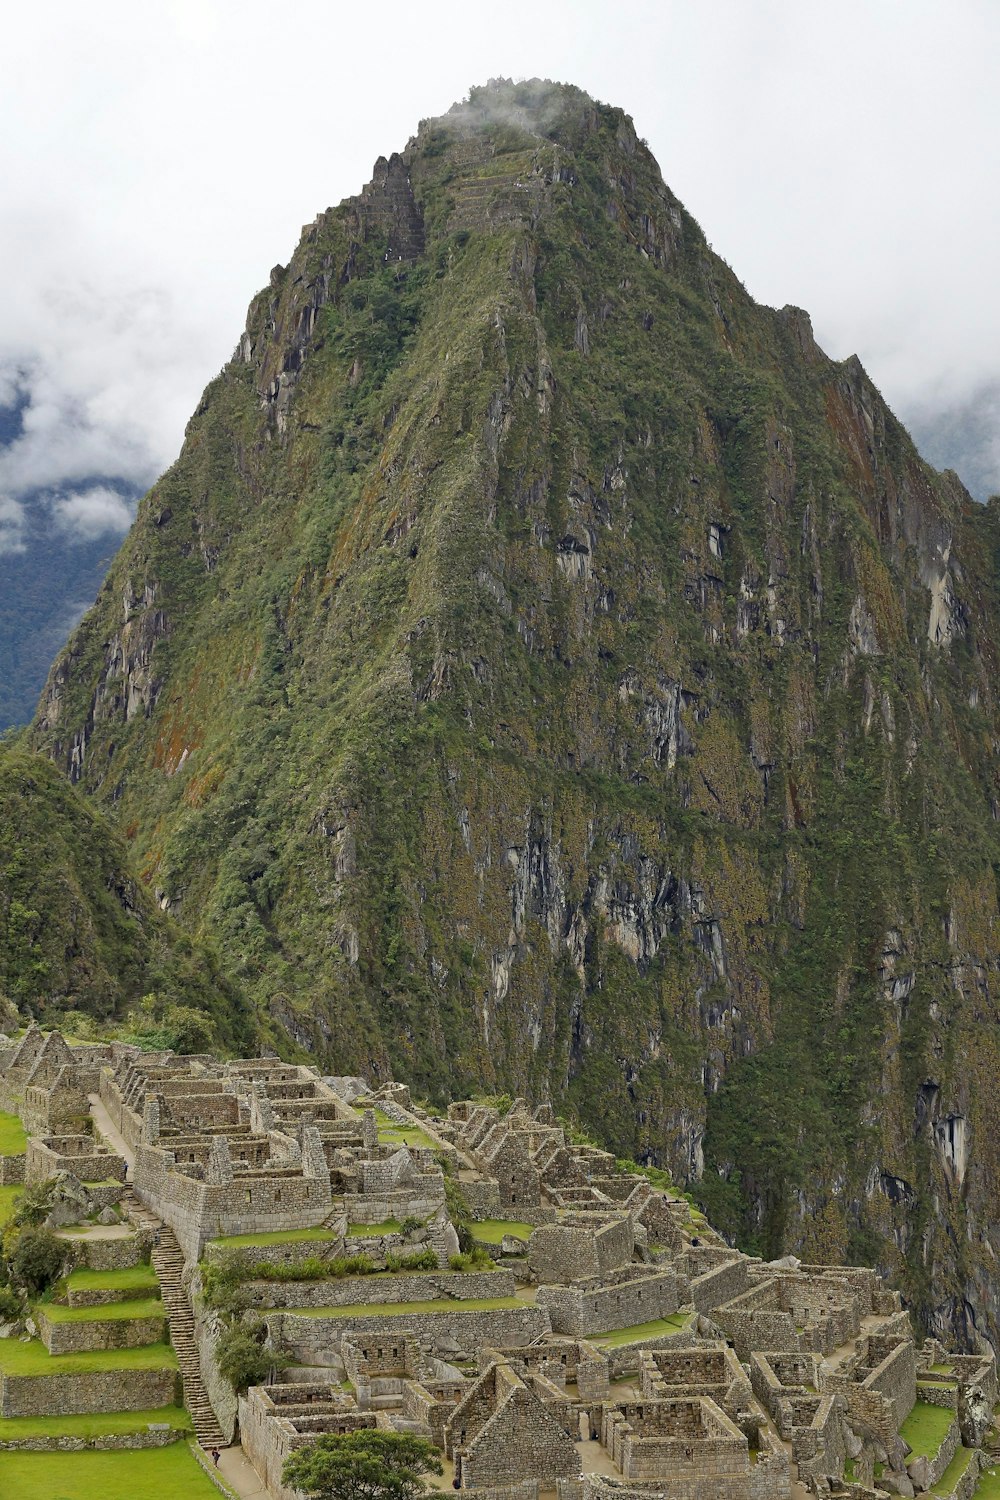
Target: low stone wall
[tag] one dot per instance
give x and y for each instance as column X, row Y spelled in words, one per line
column 454, row 1328
column 149, row 1437
column 293, row 1253
column 353, row 1291
column 11, row 1171
column 99, row 1333
column 105, row 1296
column 102, row 1390
column 936, row 1393
column 117, row 1254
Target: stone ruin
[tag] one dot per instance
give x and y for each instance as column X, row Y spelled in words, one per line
column 616, row 1347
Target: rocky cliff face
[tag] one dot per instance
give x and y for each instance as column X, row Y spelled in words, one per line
column 543, row 668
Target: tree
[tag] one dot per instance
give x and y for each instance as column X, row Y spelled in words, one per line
column 242, row 1357
column 37, row 1259
column 366, row 1465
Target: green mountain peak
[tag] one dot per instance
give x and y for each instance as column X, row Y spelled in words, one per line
column 544, row 669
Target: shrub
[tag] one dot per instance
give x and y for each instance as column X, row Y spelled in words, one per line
column 11, row 1305
column 420, row 1260
column 242, row 1358
column 477, row 1259
column 36, row 1260
column 410, row 1223
column 34, row 1204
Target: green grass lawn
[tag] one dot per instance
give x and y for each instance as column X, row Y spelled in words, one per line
column 32, row 1358
column 115, row 1312
column 638, row 1331
column 988, row 1487
column 142, row 1474
column 400, row 1309
column 92, row 1424
column 391, row 1134
column 387, row 1226
column 953, row 1472
column 273, row 1237
column 130, row 1279
column 13, row 1137
column 492, row 1231
column 926, row 1427
column 7, row 1196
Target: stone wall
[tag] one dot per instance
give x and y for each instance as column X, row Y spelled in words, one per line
column 719, row 1284
column 250, row 1203
column 101, row 1390
column 456, row 1328
column 355, row 1291
column 156, row 1435
column 78, row 1154
column 114, row 1254
column 98, row 1333
column 11, row 1171
column 582, row 1310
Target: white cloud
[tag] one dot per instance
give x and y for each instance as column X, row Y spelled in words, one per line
column 839, row 157
column 13, row 525
column 92, row 513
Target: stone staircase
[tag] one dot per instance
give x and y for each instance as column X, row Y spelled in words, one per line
column 168, row 1261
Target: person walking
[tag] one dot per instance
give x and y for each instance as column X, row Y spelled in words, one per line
column 216, row 1455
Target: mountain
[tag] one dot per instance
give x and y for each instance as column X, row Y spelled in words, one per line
column 544, row 669
column 78, row 934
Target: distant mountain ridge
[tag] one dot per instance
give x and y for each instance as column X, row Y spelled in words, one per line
column 544, row 669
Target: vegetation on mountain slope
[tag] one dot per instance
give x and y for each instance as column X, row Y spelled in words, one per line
column 80, row 935
column 544, row 669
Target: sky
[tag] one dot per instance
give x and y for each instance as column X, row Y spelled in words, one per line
column 157, row 159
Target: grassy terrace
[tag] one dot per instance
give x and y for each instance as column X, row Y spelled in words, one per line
column 33, row 1358
column 133, row 1278
column 400, row 1309
column 391, row 1134
column 387, row 1226
column 143, row 1474
column 926, row 1427
column 115, row 1312
column 492, row 1231
column 272, row 1237
column 13, row 1138
column 674, row 1324
column 953, row 1472
column 988, row 1487
column 92, row 1424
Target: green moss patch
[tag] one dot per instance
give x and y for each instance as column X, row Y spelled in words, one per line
column 926, row 1428
column 143, row 1474
column 93, row 1424
column 32, row 1358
